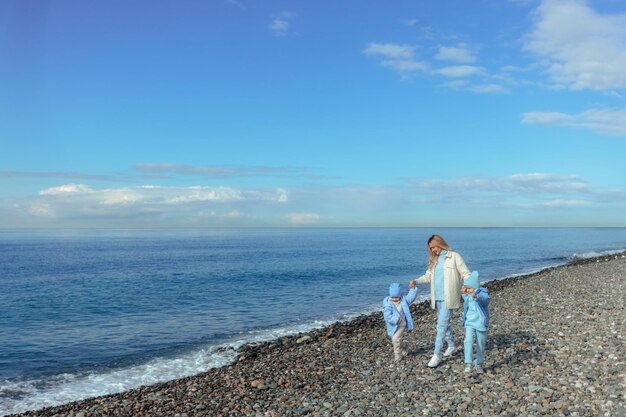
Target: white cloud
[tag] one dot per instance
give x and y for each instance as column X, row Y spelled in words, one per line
column 303, row 218
column 545, row 117
column 213, row 215
column 281, row 24
column 225, row 171
column 578, row 47
column 566, row 203
column 238, row 4
column 234, row 214
column 404, row 65
column 67, row 189
column 390, row 50
column 461, row 200
column 608, row 121
column 401, row 58
column 459, row 71
column 398, row 57
column 517, row 184
column 456, row 84
column 487, row 88
column 454, row 201
column 575, row 46
column 457, row 54
column 604, row 121
column 58, row 175
column 79, row 201
column 514, row 68
column 195, row 194
column 282, row 196
column 464, row 85
column 541, row 182
column 535, row 196
column 279, row 195
column 120, row 196
column 104, row 196
column 41, row 210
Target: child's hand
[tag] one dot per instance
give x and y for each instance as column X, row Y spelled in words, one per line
column 412, row 283
column 467, row 290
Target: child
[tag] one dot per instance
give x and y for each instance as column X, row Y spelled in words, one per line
column 475, row 320
column 398, row 317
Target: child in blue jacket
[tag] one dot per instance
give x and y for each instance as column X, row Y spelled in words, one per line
column 398, row 316
column 475, row 320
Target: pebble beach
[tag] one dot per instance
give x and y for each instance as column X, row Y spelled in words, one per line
column 555, row 347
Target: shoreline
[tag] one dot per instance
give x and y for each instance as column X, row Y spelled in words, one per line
column 249, row 383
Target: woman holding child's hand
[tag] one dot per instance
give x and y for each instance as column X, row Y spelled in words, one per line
column 446, row 272
column 469, row 291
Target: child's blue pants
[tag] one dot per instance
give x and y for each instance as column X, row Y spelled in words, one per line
column 481, row 338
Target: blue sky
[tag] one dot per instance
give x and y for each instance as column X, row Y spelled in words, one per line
column 300, row 113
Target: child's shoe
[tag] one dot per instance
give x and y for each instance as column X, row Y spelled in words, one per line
column 397, row 357
column 468, row 368
column 405, row 348
column 450, row 351
column 479, row 369
column 434, row 361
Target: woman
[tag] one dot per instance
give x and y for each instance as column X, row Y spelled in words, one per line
column 446, row 272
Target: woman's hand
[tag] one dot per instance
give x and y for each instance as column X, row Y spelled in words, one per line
column 412, row 283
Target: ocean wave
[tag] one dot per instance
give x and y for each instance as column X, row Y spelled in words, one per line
column 22, row 395
column 595, row 254
column 17, row 396
column 559, row 261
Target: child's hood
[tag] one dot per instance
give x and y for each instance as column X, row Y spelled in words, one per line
column 395, row 290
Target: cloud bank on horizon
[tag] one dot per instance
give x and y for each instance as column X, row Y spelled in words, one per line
column 245, row 114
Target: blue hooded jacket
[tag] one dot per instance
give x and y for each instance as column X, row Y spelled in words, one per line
column 392, row 316
column 481, row 301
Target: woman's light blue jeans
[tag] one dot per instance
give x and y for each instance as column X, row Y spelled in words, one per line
column 443, row 326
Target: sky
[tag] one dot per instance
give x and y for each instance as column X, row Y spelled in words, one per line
column 296, row 113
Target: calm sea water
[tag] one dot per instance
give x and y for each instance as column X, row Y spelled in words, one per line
column 91, row 312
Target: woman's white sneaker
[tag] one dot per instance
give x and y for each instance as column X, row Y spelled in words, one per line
column 450, row 351
column 434, row 361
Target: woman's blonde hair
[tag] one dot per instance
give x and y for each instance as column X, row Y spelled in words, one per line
column 438, row 241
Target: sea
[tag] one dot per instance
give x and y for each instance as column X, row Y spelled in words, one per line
column 85, row 313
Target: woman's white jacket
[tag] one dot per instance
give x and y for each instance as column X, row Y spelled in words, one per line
column 454, row 272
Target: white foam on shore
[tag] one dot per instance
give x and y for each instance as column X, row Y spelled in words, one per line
column 34, row 394
column 571, row 258
column 593, row 254
column 529, row 272
column 20, row 396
